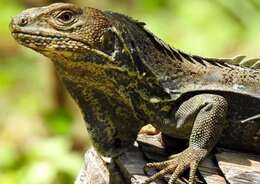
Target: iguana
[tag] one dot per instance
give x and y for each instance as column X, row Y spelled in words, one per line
column 123, row 77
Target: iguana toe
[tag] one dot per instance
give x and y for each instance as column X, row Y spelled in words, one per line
column 177, row 164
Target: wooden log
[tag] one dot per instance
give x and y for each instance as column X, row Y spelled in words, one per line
column 128, row 167
column 93, row 170
column 210, row 171
column 96, row 170
column 152, row 147
column 239, row 168
column 131, row 164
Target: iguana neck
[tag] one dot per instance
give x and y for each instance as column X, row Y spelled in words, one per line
column 136, row 89
column 109, row 97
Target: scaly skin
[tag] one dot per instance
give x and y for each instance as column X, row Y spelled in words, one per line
column 123, row 77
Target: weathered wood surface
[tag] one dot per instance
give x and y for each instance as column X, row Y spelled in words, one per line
column 97, row 170
column 131, row 165
column 211, row 172
column 128, row 168
column 239, row 168
column 94, row 170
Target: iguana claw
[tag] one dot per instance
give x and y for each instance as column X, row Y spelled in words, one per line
column 189, row 158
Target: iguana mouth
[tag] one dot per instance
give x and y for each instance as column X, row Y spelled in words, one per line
column 39, row 41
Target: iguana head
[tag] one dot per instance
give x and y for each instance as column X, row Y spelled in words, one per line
column 64, row 31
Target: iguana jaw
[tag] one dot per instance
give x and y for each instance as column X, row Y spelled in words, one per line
column 49, row 43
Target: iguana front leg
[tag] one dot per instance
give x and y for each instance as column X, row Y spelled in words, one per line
column 207, row 114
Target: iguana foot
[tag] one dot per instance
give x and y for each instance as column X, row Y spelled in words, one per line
column 177, row 164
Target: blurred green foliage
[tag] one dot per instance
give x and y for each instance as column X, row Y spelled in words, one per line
column 41, row 143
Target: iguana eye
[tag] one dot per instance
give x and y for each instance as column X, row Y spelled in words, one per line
column 66, row 17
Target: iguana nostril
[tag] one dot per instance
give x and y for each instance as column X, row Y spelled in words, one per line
column 23, row 21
